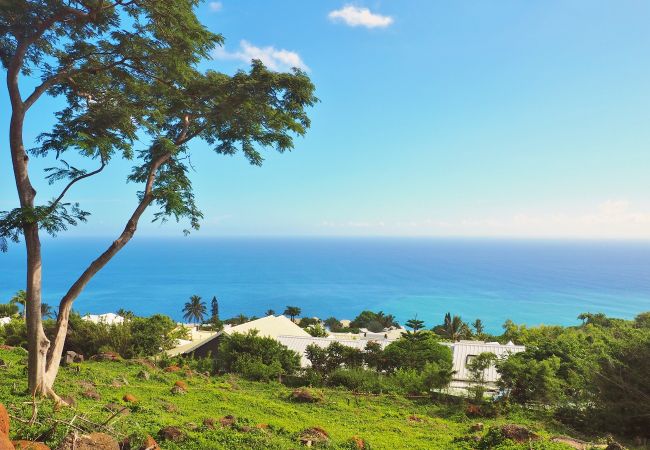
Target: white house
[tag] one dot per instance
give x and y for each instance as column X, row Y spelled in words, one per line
column 108, row 318
column 299, row 344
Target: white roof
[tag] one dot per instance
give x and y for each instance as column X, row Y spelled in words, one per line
column 299, row 344
column 108, row 318
column 269, row 326
column 462, row 349
column 5, row 320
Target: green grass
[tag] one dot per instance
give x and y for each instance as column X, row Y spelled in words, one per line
column 381, row 421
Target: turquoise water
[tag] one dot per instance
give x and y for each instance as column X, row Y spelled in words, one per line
column 528, row 281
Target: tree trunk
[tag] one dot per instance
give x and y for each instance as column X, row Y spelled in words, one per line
column 37, row 342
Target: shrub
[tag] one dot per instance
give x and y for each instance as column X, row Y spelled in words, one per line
column 256, row 357
column 358, row 380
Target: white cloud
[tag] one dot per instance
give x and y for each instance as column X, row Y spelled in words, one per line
column 360, row 17
column 215, row 6
column 279, row 60
column 612, row 218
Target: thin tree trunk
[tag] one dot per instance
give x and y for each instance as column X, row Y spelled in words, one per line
column 37, row 342
column 65, row 307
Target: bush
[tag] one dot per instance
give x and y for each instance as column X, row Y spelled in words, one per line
column 358, row 380
column 255, row 357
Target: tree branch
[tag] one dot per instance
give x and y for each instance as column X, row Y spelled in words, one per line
column 73, row 181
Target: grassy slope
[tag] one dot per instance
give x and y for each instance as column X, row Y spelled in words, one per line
column 383, row 422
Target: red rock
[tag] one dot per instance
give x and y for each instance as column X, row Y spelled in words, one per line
column 4, row 420
column 28, row 445
column 92, row 441
column 358, row 442
column 150, row 444
column 5, row 443
column 129, row 398
column 170, row 434
column 172, row 369
column 227, row 421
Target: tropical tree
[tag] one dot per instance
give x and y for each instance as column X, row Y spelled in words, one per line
column 19, row 299
column 195, row 309
column 269, row 312
column 214, row 307
column 124, row 71
column 415, row 324
column 47, row 311
column 292, row 312
column 479, row 328
column 453, row 328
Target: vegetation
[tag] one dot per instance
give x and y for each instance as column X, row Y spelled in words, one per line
column 292, row 312
column 264, row 415
column 195, row 310
column 375, row 322
column 255, row 357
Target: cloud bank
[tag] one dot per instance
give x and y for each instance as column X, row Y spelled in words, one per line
column 360, row 17
column 275, row 59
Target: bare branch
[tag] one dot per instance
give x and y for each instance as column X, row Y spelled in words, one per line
column 74, row 180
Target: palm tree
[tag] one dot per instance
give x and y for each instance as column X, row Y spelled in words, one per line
column 454, row 328
column 478, row 326
column 20, row 298
column 269, row 312
column 46, row 311
column 195, row 309
column 292, row 312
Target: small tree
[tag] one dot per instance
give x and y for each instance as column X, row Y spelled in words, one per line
column 479, row 328
column 47, row 311
column 415, row 324
column 195, row 309
column 453, row 328
column 269, row 312
column 333, row 324
column 477, row 367
column 19, row 299
column 214, row 307
column 292, row 312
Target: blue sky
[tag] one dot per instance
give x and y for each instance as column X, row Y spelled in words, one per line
column 463, row 118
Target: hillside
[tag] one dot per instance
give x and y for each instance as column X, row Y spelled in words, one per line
column 264, row 415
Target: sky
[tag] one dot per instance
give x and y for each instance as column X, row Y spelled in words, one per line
column 436, row 118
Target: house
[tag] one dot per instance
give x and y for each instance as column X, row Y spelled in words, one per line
column 5, row 320
column 108, row 318
column 269, row 326
column 464, row 351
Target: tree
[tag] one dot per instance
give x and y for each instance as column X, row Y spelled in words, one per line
column 47, row 312
column 125, row 71
column 317, row 330
column 269, row 312
column 195, row 309
column 365, row 318
column 479, row 328
column 453, row 328
column 415, row 324
column 8, row 309
column 333, row 324
column 19, row 299
column 415, row 350
column 292, row 312
column 214, row 307
column 477, row 367
column 125, row 313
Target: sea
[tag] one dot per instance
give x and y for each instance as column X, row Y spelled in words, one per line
column 528, row 281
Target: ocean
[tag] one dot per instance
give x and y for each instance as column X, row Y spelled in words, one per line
column 528, row 281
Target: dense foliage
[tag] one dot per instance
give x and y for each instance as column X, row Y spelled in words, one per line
column 256, row 357
column 595, row 375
